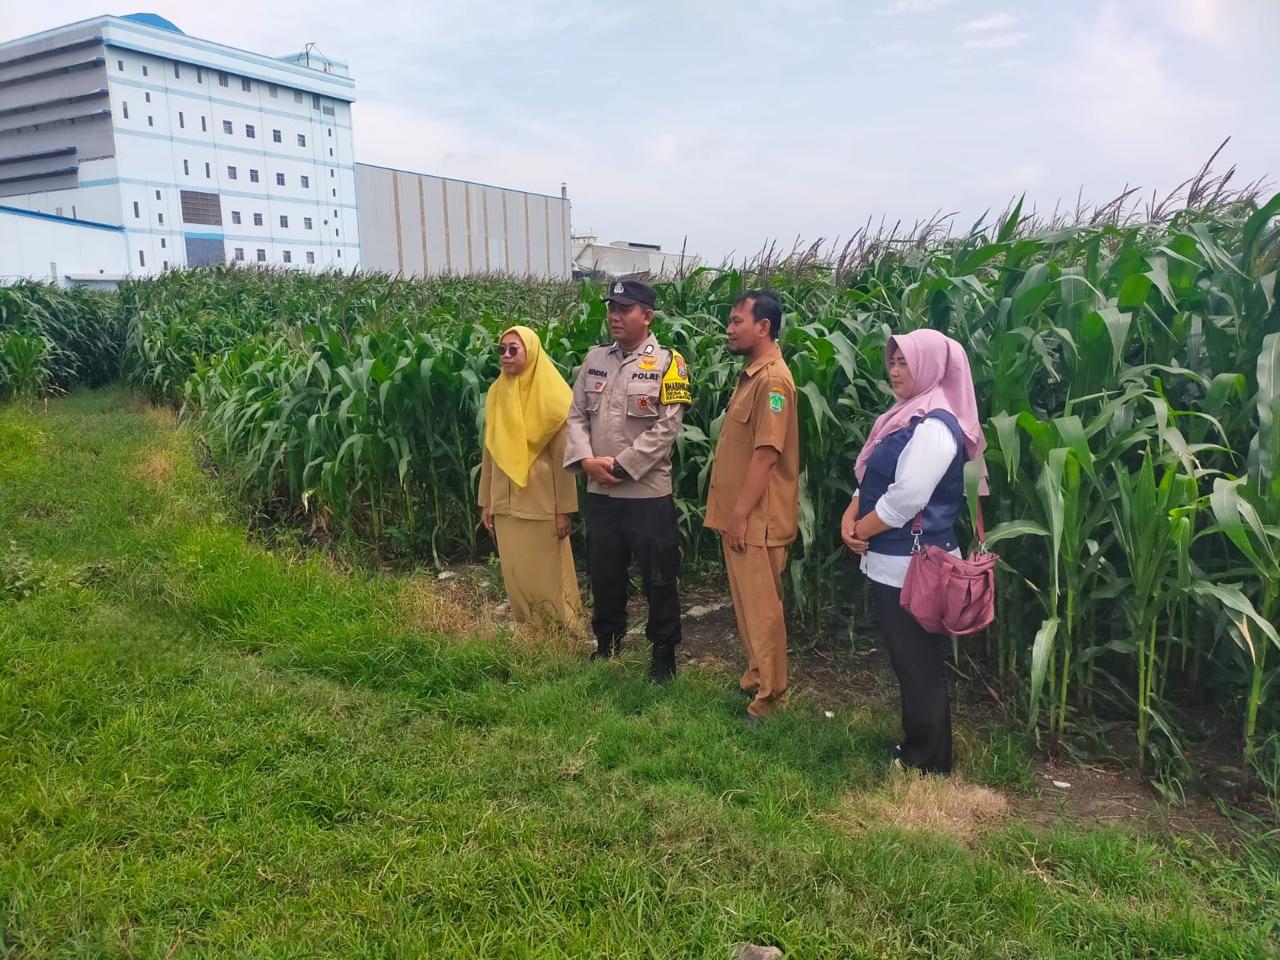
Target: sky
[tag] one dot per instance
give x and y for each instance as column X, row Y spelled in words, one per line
column 726, row 125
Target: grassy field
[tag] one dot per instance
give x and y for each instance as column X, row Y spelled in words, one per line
column 208, row 748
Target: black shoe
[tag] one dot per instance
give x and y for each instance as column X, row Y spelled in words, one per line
column 607, row 649
column 751, row 720
column 662, row 663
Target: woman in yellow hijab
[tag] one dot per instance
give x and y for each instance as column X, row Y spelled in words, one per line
column 526, row 495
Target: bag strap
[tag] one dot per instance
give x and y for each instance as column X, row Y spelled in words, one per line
column 917, row 528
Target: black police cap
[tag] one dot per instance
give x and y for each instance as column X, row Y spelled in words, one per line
column 628, row 292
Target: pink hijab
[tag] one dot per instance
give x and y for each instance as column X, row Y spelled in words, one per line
column 943, row 382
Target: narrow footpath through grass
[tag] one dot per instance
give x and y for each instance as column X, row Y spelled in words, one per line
column 209, row 748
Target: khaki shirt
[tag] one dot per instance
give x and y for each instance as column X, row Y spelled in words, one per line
column 761, row 413
column 617, row 412
column 550, row 489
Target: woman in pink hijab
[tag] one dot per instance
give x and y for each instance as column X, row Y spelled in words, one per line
column 913, row 465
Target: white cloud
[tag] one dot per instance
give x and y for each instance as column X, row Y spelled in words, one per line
column 913, row 6
column 997, row 41
column 1203, row 20
column 999, row 21
column 1128, row 105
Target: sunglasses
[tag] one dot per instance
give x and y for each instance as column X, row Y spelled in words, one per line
column 508, row 350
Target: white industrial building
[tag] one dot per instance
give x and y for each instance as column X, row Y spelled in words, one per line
column 622, row 258
column 199, row 153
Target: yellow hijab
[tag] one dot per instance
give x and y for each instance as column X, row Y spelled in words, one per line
column 523, row 412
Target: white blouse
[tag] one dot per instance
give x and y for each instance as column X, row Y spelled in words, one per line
column 921, row 466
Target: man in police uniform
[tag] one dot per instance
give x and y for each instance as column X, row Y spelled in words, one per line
column 753, row 500
column 628, row 404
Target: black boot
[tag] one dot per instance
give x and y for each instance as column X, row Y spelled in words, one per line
column 662, row 663
column 607, row 648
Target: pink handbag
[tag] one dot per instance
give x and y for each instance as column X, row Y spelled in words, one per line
column 947, row 594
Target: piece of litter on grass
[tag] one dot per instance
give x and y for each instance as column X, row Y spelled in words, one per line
column 1061, row 784
column 447, row 575
column 828, row 714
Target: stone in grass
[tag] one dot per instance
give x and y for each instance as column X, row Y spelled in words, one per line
column 752, row 951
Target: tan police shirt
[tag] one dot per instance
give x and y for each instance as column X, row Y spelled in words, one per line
column 761, row 413
column 550, row 490
column 629, row 407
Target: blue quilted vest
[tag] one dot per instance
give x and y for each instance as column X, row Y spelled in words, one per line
column 943, row 507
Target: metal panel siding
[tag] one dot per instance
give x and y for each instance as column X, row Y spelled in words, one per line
column 538, row 236
column 517, row 247
column 377, row 220
column 456, row 194
column 432, row 192
column 410, row 226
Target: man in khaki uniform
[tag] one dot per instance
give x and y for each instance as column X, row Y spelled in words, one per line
column 753, row 499
column 628, row 404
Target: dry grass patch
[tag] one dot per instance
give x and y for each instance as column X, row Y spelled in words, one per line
column 941, row 805
column 155, row 469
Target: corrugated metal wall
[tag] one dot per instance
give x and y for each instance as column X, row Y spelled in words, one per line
column 419, row 225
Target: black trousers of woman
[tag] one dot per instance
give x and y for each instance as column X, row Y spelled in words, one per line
column 919, row 660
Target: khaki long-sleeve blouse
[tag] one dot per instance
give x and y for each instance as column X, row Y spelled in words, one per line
column 551, row 489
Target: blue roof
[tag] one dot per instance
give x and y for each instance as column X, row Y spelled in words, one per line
column 153, row 20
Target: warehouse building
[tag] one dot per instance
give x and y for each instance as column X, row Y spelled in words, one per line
column 198, row 153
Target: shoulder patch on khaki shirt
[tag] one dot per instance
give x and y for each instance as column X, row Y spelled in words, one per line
column 675, row 382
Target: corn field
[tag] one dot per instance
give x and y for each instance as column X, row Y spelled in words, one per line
column 1129, row 368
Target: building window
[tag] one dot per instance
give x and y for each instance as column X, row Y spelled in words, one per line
column 253, row 175
column 288, row 256
column 331, row 151
column 165, row 265
column 331, row 173
column 124, row 107
column 142, row 259
column 331, row 131
column 327, row 111
column 147, row 96
column 272, row 89
column 182, row 121
column 297, row 96
column 120, row 65
column 275, row 136
column 136, row 214
column 227, row 127
column 335, row 214
column 306, row 223
column 284, row 221
column 311, row 257
column 246, row 84
column 208, row 172
column 201, row 207
column 160, row 218
column 315, row 101
column 337, row 232
column 199, row 74
column 177, row 74
column 262, row 255
column 257, row 219
column 334, row 191
column 239, row 253
column 250, row 131
column 339, row 254
column 186, row 168
column 235, row 216
column 157, row 194
column 204, row 124
column 306, row 182
column 223, row 80
column 231, row 173
column 302, row 140
column 144, row 69
column 151, row 121
column 279, row 179
column 163, row 245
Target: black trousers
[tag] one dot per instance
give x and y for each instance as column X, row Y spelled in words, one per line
column 645, row 530
column 919, row 660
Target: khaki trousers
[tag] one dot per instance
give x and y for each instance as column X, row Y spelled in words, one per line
column 537, row 570
column 755, row 581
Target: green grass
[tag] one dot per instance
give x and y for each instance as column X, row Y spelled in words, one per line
column 235, row 752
